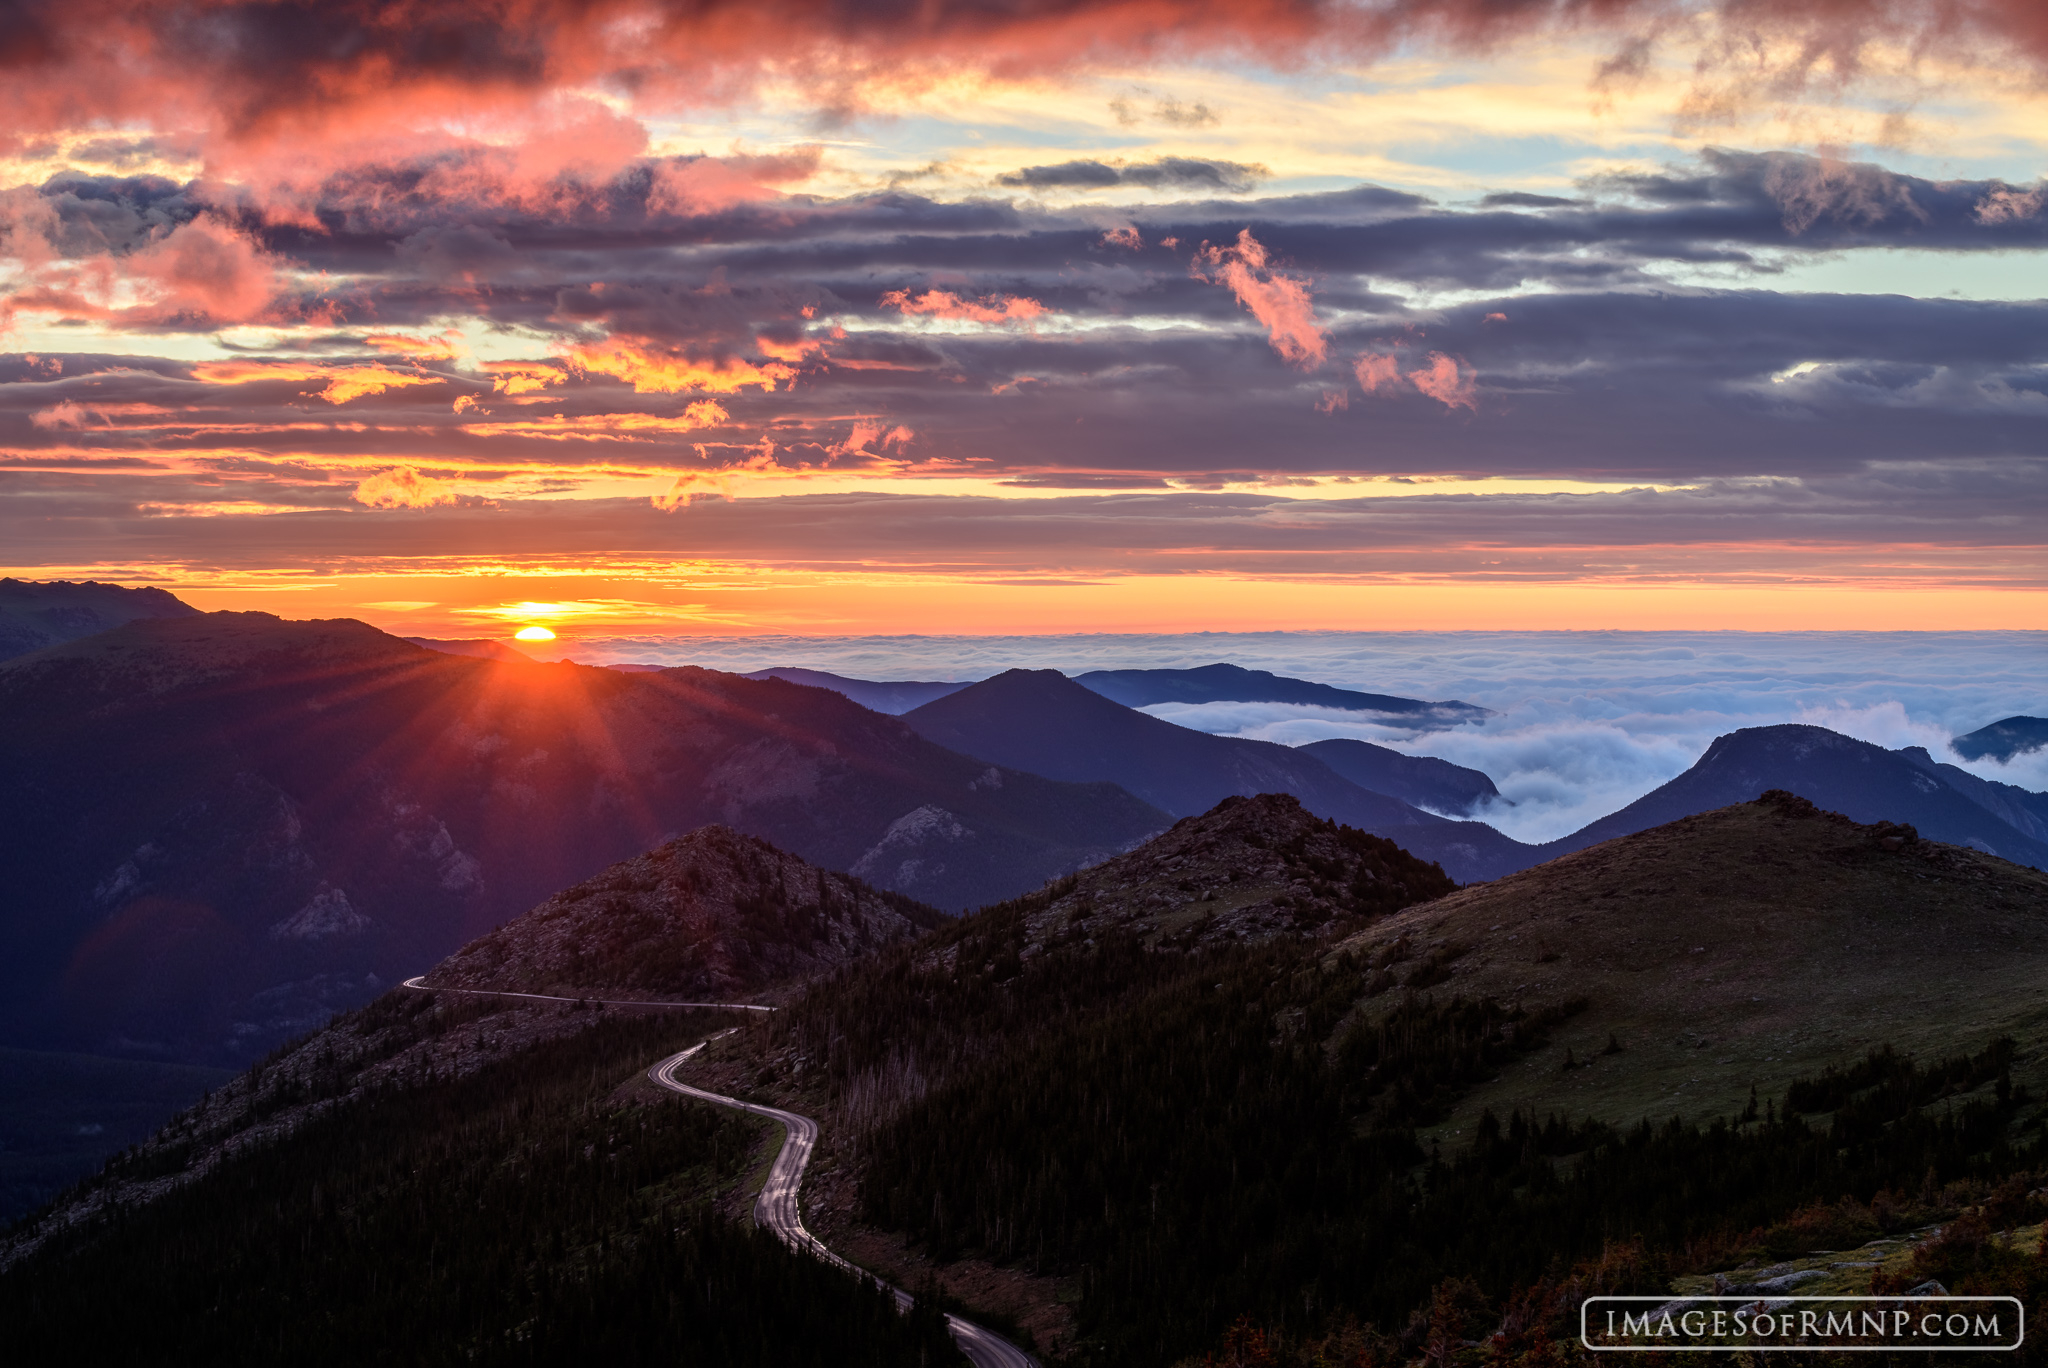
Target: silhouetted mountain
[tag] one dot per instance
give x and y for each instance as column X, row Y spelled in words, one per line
column 35, row 614
column 219, row 829
column 1064, row 730
column 470, row 646
column 2022, row 809
column 1235, row 684
column 1864, row 782
column 1422, row 780
column 2003, row 740
column 884, row 696
column 711, row 916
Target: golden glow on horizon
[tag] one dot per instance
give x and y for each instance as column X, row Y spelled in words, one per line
column 685, row 598
column 535, row 633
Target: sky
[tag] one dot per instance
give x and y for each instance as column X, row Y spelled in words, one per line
column 814, row 317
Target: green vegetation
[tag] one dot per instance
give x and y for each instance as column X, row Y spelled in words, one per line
column 516, row 1215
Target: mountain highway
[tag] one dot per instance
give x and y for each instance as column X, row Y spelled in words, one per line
column 777, row 1209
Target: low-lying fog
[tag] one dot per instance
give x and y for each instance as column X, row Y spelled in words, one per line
column 1587, row 721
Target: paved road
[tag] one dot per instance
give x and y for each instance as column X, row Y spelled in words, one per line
column 414, row 982
column 777, row 1210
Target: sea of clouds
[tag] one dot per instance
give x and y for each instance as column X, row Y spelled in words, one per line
column 1585, row 722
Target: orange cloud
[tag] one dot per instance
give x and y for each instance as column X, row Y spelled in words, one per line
column 1279, row 301
column 404, row 487
column 342, row 383
column 648, row 371
column 706, row 185
column 946, row 304
column 703, row 413
column 1126, row 236
column 449, row 346
column 523, row 377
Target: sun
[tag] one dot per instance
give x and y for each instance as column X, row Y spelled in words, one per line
column 533, row 634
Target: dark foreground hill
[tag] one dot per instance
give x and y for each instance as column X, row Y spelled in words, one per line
column 711, row 916
column 1841, row 774
column 219, row 829
column 441, row 1181
column 1167, row 1131
column 1069, row 732
column 37, row 614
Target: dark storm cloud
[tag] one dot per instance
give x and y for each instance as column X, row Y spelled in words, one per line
column 1166, row 173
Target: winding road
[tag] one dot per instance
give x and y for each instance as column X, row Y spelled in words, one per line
column 777, row 1208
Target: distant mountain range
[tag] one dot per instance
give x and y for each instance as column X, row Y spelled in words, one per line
column 219, row 828
column 2004, row 739
column 1422, row 780
column 471, row 646
column 1235, row 684
column 1865, row 782
column 884, row 696
column 35, row 614
column 1075, row 733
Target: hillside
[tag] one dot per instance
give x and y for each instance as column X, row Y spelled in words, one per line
column 35, row 614
column 1741, row 947
column 1066, row 731
column 713, row 915
column 472, row 646
column 220, row 829
column 1840, row 773
column 1235, row 684
column 1141, row 1123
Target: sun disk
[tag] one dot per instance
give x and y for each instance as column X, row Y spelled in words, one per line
column 533, row 634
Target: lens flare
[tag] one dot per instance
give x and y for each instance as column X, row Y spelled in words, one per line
column 533, row 634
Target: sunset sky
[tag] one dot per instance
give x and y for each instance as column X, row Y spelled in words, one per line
column 1048, row 315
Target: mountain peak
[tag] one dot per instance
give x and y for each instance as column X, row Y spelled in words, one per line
column 712, row 915
column 35, row 614
column 1249, row 869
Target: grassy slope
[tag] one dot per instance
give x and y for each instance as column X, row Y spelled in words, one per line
column 1751, row 945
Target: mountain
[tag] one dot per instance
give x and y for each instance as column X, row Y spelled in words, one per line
column 1842, row 774
column 2005, row 739
column 1744, row 946
column 219, row 829
column 2022, row 809
column 711, row 916
column 1422, row 780
column 1063, row 730
column 884, row 696
column 1208, row 1085
column 1235, row 684
column 470, row 646
column 35, row 614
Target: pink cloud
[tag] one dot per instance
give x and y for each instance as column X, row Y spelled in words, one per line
column 1279, row 301
column 1126, row 236
column 1376, row 370
column 993, row 308
column 1334, row 401
column 1448, row 380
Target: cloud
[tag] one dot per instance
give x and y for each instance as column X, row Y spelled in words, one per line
column 995, row 308
column 405, row 487
column 654, row 370
column 1176, row 173
column 340, row 383
column 1278, row 300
